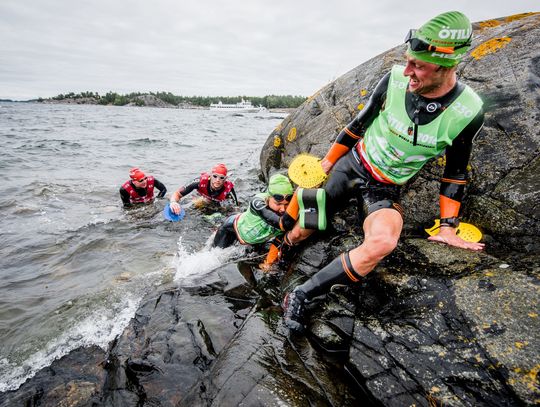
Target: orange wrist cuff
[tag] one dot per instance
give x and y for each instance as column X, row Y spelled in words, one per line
column 336, row 152
column 272, row 255
column 449, row 207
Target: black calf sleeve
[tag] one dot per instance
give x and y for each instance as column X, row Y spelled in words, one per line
column 338, row 271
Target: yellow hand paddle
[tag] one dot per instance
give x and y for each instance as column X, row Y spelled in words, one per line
column 466, row 231
column 306, row 171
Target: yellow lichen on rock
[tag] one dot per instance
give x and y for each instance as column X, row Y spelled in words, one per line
column 489, row 23
column 489, row 47
column 509, row 19
column 292, row 134
column 310, row 98
column 360, row 106
column 441, row 161
column 531, row 378
column 363, row 92
column 518, row 16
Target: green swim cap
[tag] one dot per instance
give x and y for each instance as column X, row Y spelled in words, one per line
column 279, row 184
column 444, row 40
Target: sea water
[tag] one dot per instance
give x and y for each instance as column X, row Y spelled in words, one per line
column 74, row 265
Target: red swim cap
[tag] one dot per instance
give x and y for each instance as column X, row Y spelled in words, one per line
column 136, row 174
column 219, row 169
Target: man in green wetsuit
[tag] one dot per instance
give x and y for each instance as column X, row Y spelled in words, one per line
column 265, row 219
column 415, row 113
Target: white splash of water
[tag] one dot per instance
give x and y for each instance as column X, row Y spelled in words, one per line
column 202, row 262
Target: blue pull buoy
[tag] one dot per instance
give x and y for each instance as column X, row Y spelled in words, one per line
column 171, row 216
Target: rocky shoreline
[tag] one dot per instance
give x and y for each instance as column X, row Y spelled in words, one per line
column 433, row 325
column 139, row 101
column 146, row 101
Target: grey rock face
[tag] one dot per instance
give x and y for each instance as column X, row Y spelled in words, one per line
column 504, row 190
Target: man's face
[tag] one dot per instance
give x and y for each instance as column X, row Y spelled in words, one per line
column 217, row 181
column 425, row 78
column 278, row 206
column 140, row 183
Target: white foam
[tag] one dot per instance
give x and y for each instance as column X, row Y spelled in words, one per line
column 99, row 328
column 202, row 262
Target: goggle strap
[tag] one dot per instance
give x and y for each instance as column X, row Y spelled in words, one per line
column 443, row 50
column 433, row 48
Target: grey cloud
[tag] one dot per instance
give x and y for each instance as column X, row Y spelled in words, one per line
column 210, row 47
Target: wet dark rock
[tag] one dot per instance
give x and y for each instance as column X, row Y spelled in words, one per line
column 431, row 258
column 426, row 351
column 505, row 322
column 76, row 379
column 171, row 342
column 262, row 367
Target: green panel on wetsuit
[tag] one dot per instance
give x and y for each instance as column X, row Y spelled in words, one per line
column 312, row 205
column 388, row 145
column 253, row 229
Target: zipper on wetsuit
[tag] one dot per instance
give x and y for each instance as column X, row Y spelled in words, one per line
column 414, row 130
column 415, row 133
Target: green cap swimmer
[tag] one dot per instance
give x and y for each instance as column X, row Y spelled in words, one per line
column 279, row 185
column 444, row 40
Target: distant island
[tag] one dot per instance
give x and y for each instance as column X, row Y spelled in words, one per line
column 167, row 99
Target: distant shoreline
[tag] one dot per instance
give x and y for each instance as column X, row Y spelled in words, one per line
column 167, row 99
column 157, row 104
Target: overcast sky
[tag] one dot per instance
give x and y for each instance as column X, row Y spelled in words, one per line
column 205, row 47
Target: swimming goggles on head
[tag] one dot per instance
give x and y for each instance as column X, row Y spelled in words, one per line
column 281, row 198
column 418, row 45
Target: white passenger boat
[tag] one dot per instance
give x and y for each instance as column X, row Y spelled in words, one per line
column 243, row 106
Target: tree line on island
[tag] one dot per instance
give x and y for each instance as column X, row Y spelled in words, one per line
column 137, row 99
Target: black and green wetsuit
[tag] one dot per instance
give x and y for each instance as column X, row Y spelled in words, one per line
column 258, row 224
column 396, row 134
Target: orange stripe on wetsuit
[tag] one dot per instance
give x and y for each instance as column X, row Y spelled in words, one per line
column 350, row 273
column 454, row 181
column 350, row 133
column 377, row 174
